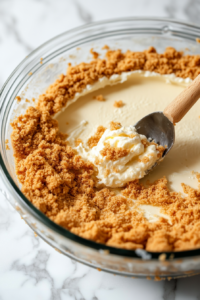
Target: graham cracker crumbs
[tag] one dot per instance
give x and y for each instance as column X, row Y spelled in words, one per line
column 169, row 278
column 35, row 234
column 148, row 278
column 162, row 257
column 115, row 125
column 98, row 269
column 18, row 98
column 145, row 159
column 112, row 153
column 58, row 250
column 33, row 99
column 93, row 140
column 30, row 74
column 118, row 104
column 183, row 233
column 145, row 142
column 116, row 62
column 107, row 172
column 105, row 47
column 198, row 40
column 78, row 142
column 95, row 54
column 60, row 183
column 97, row 161
column 28, row 101
column 99, row 98
column 6, row 142
column 41, row 60
column 160, row 150
column 157, row 278
column 72, row 56
column 78, row 48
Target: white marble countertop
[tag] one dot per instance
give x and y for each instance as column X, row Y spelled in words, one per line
column 29, row 268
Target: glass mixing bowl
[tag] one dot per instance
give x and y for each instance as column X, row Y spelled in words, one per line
column 32, row 77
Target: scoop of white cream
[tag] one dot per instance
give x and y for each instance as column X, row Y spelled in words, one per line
column 116, row 172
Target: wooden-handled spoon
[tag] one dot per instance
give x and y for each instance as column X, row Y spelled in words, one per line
column 159, row 126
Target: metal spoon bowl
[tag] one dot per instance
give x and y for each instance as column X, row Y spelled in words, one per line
column 157, row 127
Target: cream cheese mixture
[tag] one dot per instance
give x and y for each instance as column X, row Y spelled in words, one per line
column 133, row 162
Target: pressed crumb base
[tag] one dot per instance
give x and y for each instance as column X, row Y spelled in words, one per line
column 62, row 185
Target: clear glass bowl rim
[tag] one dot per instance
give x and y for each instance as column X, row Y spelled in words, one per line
column 191, row 31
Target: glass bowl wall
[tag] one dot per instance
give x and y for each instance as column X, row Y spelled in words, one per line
column 33, row 76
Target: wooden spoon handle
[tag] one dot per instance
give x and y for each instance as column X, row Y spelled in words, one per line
column 177, row 109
